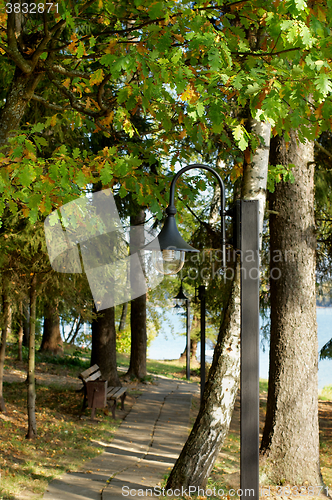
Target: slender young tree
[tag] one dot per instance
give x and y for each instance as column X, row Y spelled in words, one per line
column 31, row 400
column 212, row 424
column 4, row 328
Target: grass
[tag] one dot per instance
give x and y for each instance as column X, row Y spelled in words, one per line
column 168, row 368
column 62, row 444
column 325, row 394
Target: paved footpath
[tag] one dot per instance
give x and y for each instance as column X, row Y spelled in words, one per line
column 144, row 449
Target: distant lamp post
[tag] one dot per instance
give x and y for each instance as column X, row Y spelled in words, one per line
column 184, row 299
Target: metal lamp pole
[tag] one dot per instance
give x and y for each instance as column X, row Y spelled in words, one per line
column 201, row 296
column 181, row 296
column 172, row 246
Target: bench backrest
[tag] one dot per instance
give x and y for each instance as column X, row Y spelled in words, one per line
column 92, row 373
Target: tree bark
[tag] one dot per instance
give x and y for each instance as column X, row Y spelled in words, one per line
column 212, row 424
column 103, row 351
column 20, row 332
column 51, row 341
column 73, row 334
column 193, row 351
column 290, row 443
column 5, row 324
column 31, row 400
column 26, row 323
column 20, row 93
column 123, row 318
column 137, row 366
column 255, row 170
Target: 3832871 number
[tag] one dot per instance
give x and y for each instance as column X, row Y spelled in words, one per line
column 31, row 8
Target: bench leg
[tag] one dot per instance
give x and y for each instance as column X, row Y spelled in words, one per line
column 113, row 408
column 93, row 413
column 123, row 397
column 84, row 405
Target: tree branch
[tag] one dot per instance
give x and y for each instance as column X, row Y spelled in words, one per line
column 12, row 49
column 264, row 54
column 71, row 73
column 203, row 223
column 73, row 101
column 323, row 149
column 101, row 92
column 47, row 104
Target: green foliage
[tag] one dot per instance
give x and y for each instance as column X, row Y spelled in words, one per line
column 277, row 173
column 123, row 341
column 179, row 71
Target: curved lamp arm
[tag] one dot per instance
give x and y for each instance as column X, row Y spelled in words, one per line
column 171, row 210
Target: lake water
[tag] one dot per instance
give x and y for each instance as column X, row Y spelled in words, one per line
column 169, row 346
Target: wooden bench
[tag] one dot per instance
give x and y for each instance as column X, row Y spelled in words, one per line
column 97, row 393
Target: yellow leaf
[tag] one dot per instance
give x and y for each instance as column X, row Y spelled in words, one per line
column 109, row 49
column 66, row 83
column 88, row 103
column 42, row 206
column 108, row 119
column 53, row 121
column 321, row 14
column 141, row 49
column 180, row 38
column 190, row 94
column 97, row 77
column 72, row 46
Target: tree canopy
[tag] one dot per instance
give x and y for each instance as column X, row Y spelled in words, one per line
column 161, row 81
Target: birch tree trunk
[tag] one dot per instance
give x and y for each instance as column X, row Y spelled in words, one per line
column 212, row 424
column 255, row 171
column 290, row 443
column 31, row 401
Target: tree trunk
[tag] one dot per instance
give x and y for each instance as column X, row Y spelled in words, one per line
column 123, row 318
column 137, row 366
column 5, row 324
column 212, row 424
column 103, row 351
column 26, row 323
column 20, row 332
column 193, row 351
column 32, row 426
column 21, row 91
column 256, row 169
column 52, row 341
column 290, row 444
column 73, row 334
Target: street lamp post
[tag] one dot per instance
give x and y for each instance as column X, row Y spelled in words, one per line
column 181, row 296
column 169, row 250
column 201, row 296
